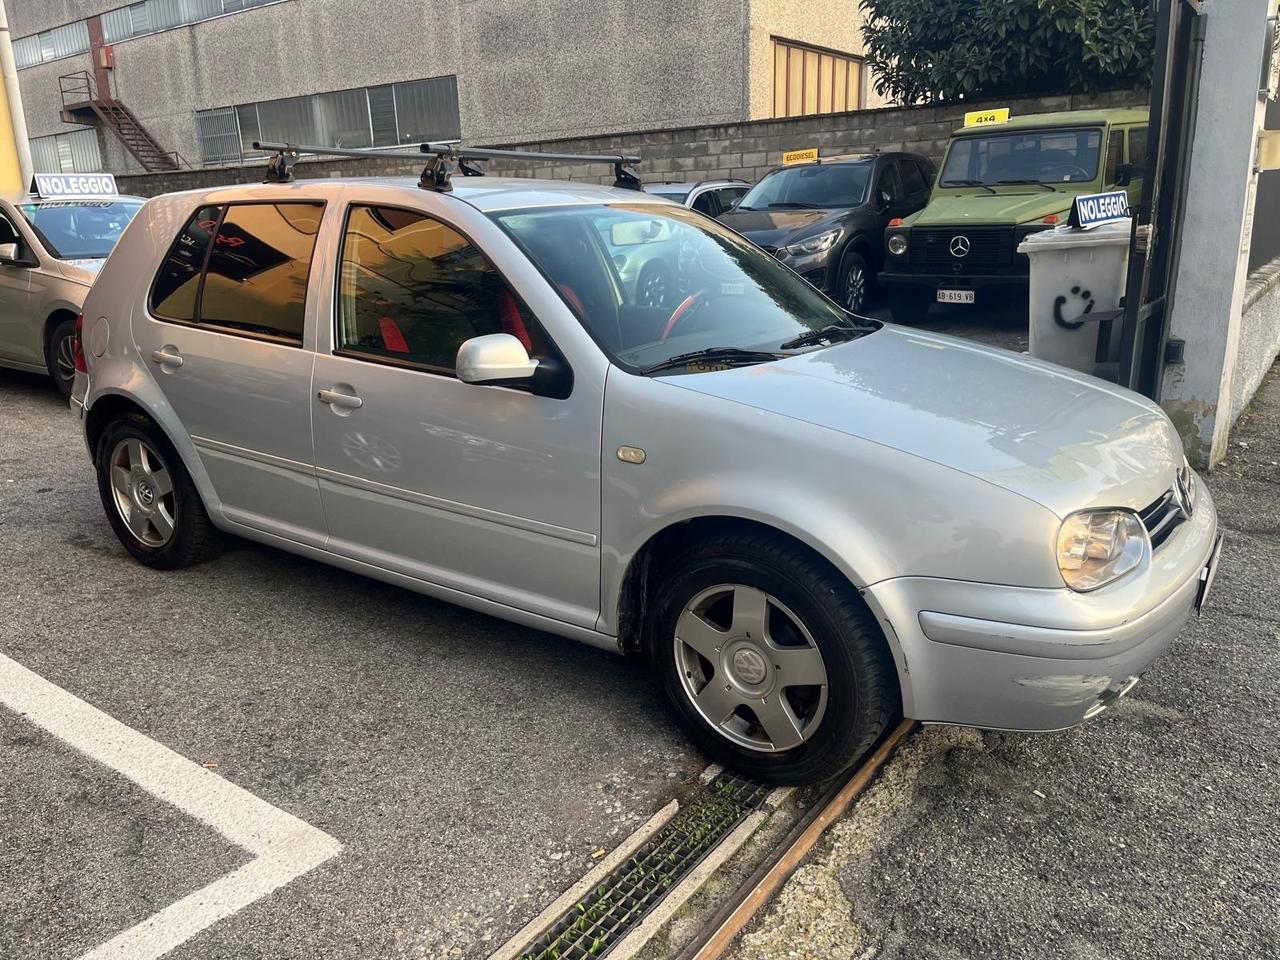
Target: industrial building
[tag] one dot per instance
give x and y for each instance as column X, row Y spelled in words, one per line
column 162, row 85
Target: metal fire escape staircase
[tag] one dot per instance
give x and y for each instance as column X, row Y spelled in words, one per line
column 81, row 102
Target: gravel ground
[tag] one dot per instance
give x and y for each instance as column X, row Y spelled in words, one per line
column 1148, row 833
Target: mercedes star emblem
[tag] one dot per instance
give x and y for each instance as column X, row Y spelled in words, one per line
column 960, row 246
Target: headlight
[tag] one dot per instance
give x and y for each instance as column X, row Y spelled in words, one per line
column 897, row 244
column 1097, row 546
column 812, row 245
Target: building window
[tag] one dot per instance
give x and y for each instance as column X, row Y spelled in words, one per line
column 808, row 80
column 123, row 23
column 75, row 152
column 64, row 41
column 382, row 116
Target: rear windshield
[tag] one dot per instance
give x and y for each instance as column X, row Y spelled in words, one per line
column 814, row 185
column 678, row 195
column 79, row 229
column 1037, row 156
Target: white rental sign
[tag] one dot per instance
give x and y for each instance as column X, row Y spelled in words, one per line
column 68, row 186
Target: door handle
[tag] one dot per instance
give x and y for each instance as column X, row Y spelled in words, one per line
column 344, row 400
column 168, row 357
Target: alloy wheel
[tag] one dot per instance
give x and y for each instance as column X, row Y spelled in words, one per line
column 855, row 288
column 142, row 489
column 751, row 668
column 653, row 289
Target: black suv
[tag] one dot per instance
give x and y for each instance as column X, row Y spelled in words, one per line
column 826, row 219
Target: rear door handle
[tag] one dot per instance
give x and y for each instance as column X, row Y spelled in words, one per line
column 336, row 399
column 167, row 356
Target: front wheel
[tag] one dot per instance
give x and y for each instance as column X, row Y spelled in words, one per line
column 910, row 304
column 149, row 498
column 855, row 283
column 770, row 658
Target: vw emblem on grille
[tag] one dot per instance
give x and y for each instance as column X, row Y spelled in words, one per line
column 1182, row 492
column 960, row 246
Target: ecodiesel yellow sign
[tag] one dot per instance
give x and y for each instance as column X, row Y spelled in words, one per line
column 800, row 156
column 984, row 118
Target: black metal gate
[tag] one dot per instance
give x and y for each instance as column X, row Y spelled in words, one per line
column 1157, row 223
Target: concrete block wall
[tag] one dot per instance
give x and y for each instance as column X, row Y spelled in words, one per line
column 745, row 150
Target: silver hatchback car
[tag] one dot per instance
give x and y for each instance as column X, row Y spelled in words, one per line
column 808, row 521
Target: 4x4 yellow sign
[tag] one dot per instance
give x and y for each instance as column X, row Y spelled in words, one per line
column 800, row 156
column 982, row 118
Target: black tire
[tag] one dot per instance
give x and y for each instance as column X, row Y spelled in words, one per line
column 910, row 304
column 862, row 684
column 58, row 353
column 855, row 282
column 193, row 538
column 655, row 286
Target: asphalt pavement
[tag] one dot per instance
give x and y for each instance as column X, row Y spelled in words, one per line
column 1150, row 833
column 468, row 767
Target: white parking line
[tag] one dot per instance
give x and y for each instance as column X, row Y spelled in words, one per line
column 284, row 847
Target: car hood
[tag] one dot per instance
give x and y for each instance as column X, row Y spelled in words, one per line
column 947, row 208
column 81, row 271
column 774, row 228
column 1062, row 439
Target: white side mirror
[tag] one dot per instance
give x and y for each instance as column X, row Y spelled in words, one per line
column 8, row 252
column 494, row 358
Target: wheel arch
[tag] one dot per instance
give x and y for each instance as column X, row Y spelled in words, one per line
column 112, row 404
column 639, row 578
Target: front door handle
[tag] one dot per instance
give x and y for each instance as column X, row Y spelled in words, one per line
column 337, row 399
column 168, row 356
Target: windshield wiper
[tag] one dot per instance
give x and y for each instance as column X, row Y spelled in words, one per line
column 804, row 204
column 733, row 355
column 828, row 334
column 968, row 183
column 1028, row 183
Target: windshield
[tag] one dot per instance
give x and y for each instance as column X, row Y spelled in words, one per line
column 812, row 185
column 650, row 282
column 678, row 194
column 79, row 229
column 1046, row 156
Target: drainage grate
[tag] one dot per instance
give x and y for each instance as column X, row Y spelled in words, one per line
column 595, row 924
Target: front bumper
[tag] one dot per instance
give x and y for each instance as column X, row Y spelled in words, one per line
column 1017, row 658
column 1015, row 282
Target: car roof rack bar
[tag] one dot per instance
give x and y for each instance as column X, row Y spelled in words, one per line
column 446, row 159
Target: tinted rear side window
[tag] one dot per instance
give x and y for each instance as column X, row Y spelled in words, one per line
column 257, row 275
column 173, row 295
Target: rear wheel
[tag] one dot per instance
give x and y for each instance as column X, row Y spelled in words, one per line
column 771, row 659
column 910, row 304
column 150, row 501
column 61, row 356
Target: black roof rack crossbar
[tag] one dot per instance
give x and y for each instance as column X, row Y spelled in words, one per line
column 446, row 159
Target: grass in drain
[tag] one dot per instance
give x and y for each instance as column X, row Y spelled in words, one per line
column 592, row 926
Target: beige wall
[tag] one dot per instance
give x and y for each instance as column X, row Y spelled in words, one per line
column 834, row 24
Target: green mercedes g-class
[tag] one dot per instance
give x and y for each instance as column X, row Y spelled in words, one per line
column 998, row 183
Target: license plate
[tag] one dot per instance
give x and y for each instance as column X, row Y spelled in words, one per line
column 1206, row 576
column 955, row 296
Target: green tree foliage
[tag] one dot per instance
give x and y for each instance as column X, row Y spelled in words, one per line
column 925, row 50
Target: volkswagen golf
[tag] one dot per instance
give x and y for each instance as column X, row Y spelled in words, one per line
column 809, row 522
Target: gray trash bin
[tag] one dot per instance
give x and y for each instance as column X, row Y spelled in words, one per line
column 1076, row 277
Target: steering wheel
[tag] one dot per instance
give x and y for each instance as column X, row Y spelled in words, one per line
column 682, row 311
column 1073, row 171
